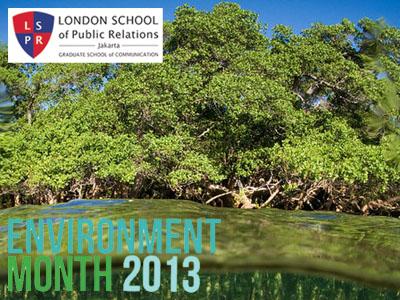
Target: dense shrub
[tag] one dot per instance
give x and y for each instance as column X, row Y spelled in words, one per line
column 279, row 121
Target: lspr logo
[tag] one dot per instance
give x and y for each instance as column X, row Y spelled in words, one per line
column 33, row 30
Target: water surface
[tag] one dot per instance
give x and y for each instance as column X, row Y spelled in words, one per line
column 328, row 253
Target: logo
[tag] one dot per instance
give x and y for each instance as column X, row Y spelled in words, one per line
column 85, row 35
column 33, row 30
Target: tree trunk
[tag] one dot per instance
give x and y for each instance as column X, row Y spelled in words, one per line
column 17, row 200
column 29, row 114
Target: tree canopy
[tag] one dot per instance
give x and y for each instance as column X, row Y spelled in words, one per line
column 230, row 115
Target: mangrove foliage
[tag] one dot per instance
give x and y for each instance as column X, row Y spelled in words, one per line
column 236, row 115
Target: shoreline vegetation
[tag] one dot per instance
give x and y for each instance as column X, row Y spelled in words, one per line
column 231, row 118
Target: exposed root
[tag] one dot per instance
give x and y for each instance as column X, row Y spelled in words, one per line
column 218, row 196
column 321, row 195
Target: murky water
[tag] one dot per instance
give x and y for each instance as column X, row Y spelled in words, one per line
column 261, row 254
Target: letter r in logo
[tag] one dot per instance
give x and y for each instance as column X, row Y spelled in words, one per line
column 33, row 30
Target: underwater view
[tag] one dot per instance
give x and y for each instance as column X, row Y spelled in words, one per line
column 261, row 254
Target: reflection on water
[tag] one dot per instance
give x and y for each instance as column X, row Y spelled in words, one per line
column 229, row 286
column 78, row 206
column 362, row 249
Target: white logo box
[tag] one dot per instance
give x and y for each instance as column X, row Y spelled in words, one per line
column 94, row 35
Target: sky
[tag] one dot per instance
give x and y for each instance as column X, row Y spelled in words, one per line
column 298, row 14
